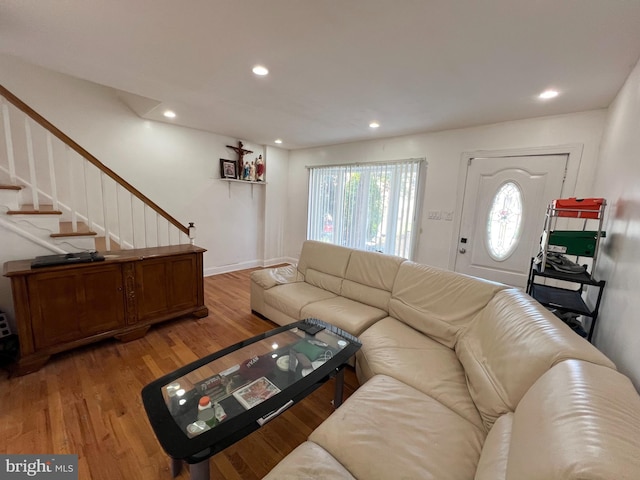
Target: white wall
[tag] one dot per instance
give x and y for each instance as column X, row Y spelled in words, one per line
column 618, row 180
column 276, row 206
column 178, row 168
column 443, row 152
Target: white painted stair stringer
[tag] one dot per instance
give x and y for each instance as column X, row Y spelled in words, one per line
column 29, row 236
column 10, row 200
column 38, row 228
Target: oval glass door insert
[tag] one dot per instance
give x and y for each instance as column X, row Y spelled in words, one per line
column 505, row 221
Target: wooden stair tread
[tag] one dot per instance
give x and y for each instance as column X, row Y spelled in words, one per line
column 101, row 245
column 10, row 187
column 30, row 210
column 66, row 230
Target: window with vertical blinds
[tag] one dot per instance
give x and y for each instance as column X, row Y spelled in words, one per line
column 370, row 206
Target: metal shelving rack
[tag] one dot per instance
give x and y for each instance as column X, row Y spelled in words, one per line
column 568, row 296
column 550, row 221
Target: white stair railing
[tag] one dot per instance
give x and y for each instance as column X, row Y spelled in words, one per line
column 54, row 170
column 8, row 142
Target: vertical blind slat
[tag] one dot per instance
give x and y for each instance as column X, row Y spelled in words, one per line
column 365, row 206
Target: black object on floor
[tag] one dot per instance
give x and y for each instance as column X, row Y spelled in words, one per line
column 9, row 348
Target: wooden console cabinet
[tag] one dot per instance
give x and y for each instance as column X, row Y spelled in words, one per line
column 62, row 307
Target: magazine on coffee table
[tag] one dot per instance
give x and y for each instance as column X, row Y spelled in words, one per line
column 256, row 392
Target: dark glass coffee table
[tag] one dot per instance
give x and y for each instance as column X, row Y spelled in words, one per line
column 248, row 384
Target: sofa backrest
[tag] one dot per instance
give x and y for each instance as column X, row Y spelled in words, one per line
column 509, row 345
column 369, row 278
column 579, row 421
column 324, row 265
column 436, row 302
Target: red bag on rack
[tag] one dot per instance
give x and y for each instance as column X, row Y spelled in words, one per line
column 578, row 207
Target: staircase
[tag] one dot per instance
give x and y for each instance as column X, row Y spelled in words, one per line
column 57, row 195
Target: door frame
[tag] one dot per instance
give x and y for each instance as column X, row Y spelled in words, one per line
column 574, row 157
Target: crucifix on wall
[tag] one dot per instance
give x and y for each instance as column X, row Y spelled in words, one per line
column 241, row 153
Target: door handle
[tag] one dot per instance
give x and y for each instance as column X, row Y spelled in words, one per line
column 463, row 250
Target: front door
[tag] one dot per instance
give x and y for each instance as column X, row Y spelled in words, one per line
column 503, row 211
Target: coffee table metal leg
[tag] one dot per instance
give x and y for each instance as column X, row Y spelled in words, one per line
column 199, row 471
column 176, row 467
column 338, row 394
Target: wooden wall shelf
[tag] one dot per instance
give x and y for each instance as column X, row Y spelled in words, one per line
column 235, row 180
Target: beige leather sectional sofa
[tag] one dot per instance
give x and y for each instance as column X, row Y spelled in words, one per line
column 461, row 378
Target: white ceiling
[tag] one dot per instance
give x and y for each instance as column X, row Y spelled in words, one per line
column 412, row 65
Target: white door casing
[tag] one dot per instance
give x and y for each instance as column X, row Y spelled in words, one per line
column 539, row 179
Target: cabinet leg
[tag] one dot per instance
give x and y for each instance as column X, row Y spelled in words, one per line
column 133, row 334
column 28, row 364
column 201, row 312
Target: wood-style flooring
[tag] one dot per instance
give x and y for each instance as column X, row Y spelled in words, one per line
column 87, row 401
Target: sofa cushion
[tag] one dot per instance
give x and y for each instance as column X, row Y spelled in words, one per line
column 369, row 278
column 510, row 344
column 309, row 462
column 325, row 281
column 437, row 302
column 350, row 316
column 324, row 265
column 387, row 429
column 495, row 451
column 392, row 348
column 578, row 421
column 290, row 298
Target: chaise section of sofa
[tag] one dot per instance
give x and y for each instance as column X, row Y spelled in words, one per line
column 309, row 461
column 391, row 430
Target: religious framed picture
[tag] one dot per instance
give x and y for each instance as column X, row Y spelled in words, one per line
column 228, row 168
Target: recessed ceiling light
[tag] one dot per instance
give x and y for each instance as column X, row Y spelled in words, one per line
column 169, row 114
column 260, row 70
column 547, row 94
column 374, row 125
column 277, row 140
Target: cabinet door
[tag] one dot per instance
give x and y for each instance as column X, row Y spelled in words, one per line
column 102, row 295
column 166, row 285
column 55, row 308
column 71, row 304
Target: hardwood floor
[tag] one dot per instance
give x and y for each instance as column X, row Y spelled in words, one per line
column 87, row 401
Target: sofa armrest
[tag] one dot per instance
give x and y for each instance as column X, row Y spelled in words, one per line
column 271, row 277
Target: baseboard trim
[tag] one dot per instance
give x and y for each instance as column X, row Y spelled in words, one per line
column 279, row 261
column 234, row 267
column 208, row 272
